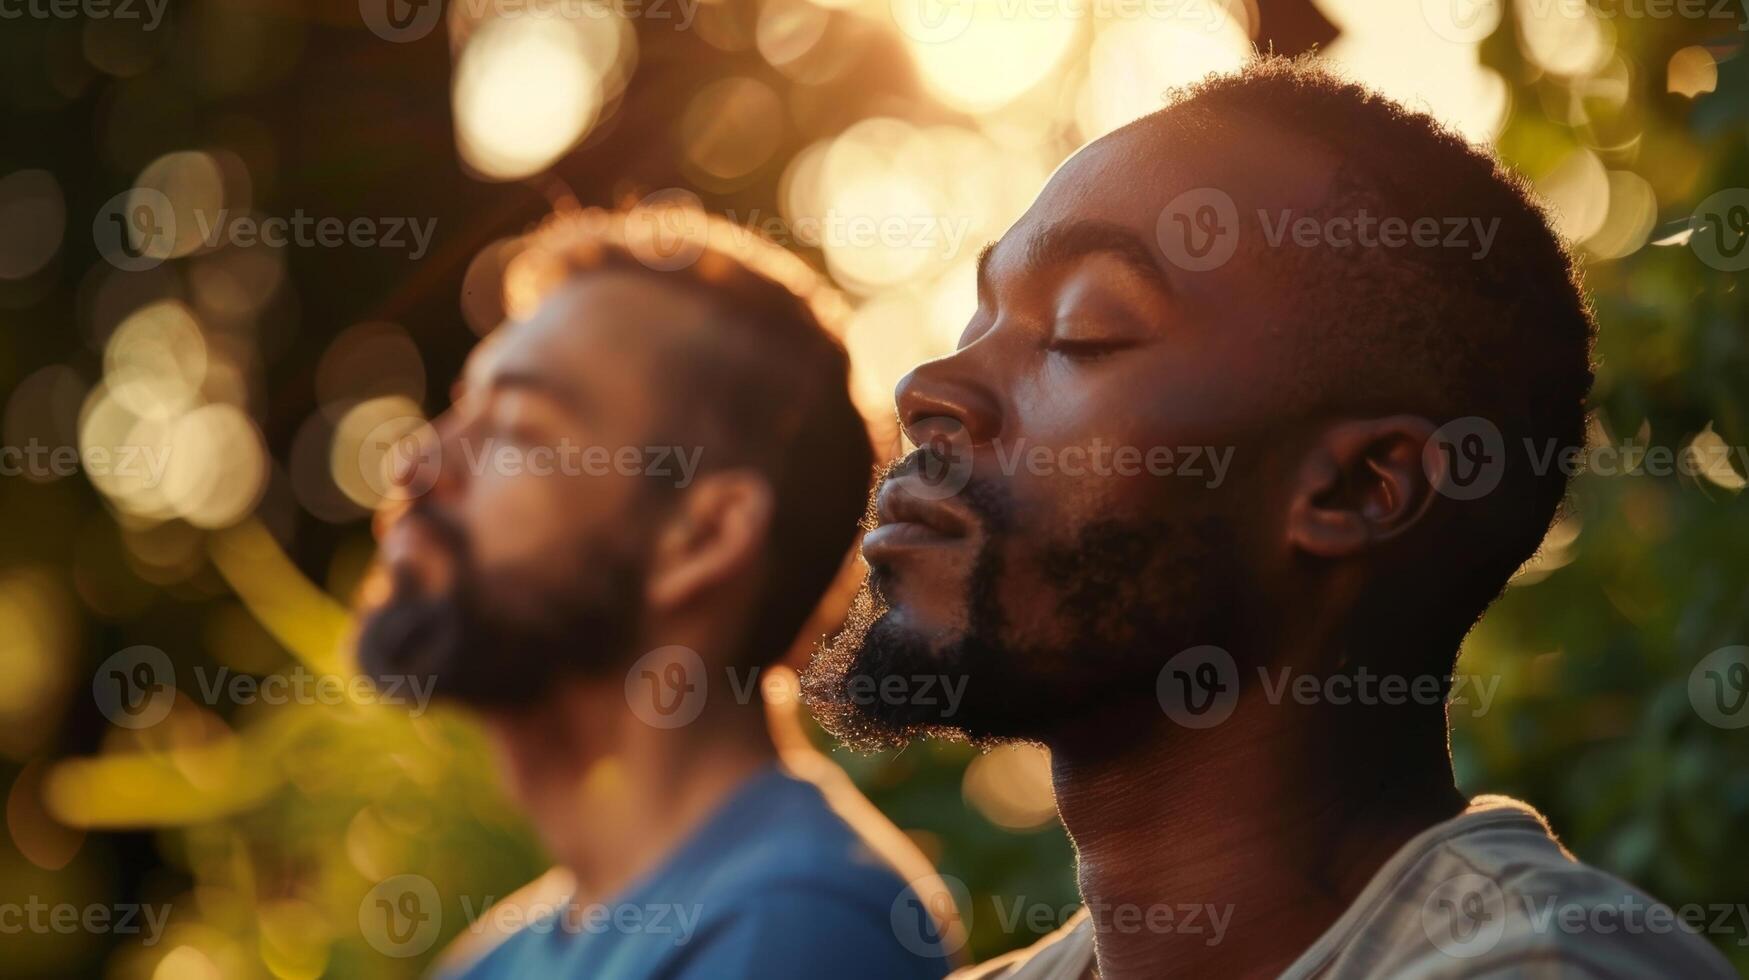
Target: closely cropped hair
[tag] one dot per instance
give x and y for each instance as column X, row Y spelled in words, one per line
column 765, row 387
column 701, row 248
column 1443, row 332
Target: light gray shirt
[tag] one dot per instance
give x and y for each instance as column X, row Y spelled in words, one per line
column 1488, row 893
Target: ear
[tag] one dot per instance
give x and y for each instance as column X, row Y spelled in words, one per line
column 1362, row 483
column 716, row 533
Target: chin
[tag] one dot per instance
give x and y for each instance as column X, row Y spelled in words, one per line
column 422, row 638
column 1082, row 651
column 882, row 683
column 462, row 653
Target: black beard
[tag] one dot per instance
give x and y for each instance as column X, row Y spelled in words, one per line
column 1128, row 597
column 478, row 654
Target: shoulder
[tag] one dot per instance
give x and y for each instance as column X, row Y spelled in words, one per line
column 808, row 894
column 812, row 925
column 816, row 840
column 800, row 842
column 1066, row 954
column 1501, row 897
column 810, row 882
column 503, row 921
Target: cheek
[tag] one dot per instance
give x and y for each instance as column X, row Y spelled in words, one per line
column 1071, row 482
column 1029, row 605
column 1124, row 450
column 530, row 527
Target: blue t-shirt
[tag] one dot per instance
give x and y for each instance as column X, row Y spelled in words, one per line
column 774, row 885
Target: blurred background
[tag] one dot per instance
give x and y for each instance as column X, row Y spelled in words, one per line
column 884, row 141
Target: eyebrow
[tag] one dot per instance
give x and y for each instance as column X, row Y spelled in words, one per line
column 1060, row 244
column 566, row 396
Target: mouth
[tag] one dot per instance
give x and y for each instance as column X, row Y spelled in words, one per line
column 414, row 546
column 907, row 521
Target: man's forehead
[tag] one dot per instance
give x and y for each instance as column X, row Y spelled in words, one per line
column 1130, row 176
column 483, row 359
column 607, row 315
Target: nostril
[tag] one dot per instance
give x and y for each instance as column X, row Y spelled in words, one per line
column 942, row 436
column 961, row 421
column 950, row 387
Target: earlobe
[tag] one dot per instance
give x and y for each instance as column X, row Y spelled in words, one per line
column 716, row 533
column 1364, row 482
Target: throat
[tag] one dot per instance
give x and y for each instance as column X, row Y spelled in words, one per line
column 609, row 795
column 1232, row 849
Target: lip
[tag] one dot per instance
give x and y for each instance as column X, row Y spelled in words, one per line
column 907, row 522
column 406, row 540
column 887, row 539
column 411, row 548
column 399, row 541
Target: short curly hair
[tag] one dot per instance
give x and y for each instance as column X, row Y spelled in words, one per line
column 1506, row 335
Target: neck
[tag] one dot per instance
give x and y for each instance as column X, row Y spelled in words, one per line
column 1269, row 824
column 611, row 795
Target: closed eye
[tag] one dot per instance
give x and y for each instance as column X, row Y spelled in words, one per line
column 1088, row 350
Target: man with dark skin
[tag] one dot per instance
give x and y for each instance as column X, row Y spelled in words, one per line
column 1137, row 620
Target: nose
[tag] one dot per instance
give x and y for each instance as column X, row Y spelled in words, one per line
column 417, row 464
column 941, row 400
